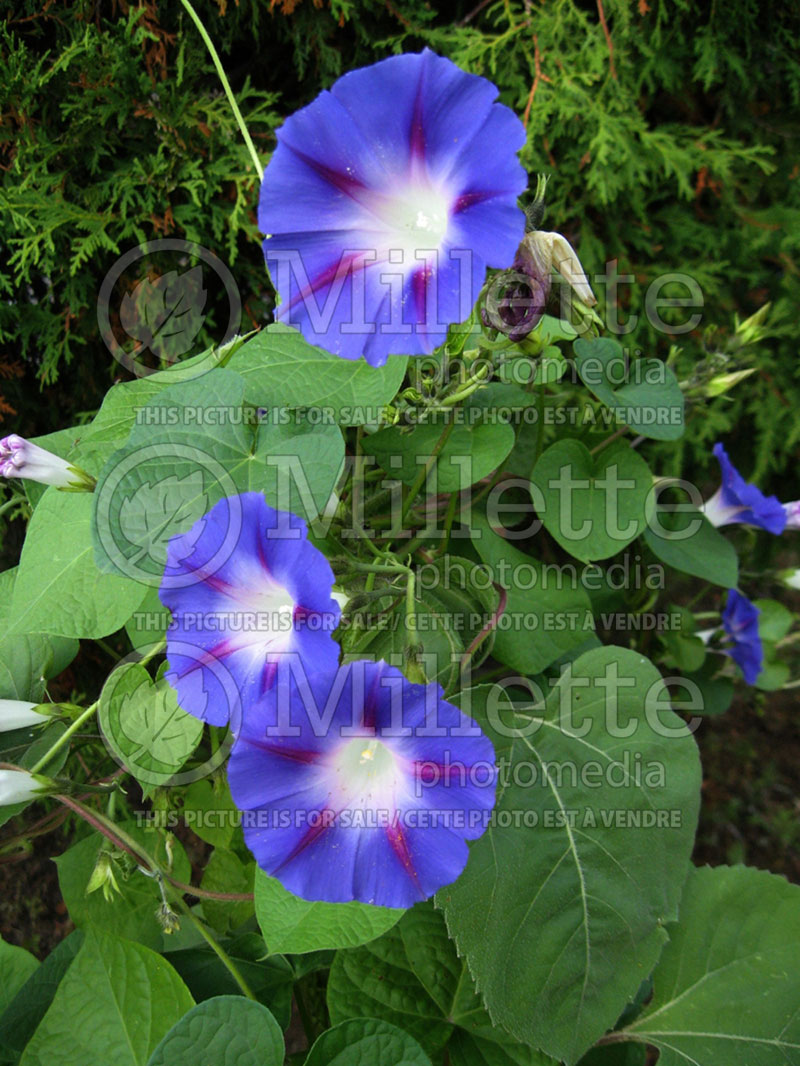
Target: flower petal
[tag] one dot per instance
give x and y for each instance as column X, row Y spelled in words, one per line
column 752, row 507
column 740, row 621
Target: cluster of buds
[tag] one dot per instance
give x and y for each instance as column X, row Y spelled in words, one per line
column 104, row 878
column 721, row 369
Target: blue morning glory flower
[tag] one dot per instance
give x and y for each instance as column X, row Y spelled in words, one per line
column 245, row 587
column 358, row 785
column 738, row 501
column 740, row 622
column 386, row 199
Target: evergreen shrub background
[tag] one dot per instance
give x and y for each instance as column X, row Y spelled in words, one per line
column 666, row 127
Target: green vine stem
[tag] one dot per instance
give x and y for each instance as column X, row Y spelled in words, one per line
column 217, row 948
column 421, row 477
column 65, row 737
column 151, row 868
column 237, row 114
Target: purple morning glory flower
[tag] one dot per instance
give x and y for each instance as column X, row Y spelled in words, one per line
column 740, row 622
column 738, row 501
column 358, row 785
column 384, row 202
column 241, row 602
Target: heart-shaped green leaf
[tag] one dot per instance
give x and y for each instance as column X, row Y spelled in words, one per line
column 593, row 505
column 643, row 395
column 365, row 1042
column 223, row 1031
column 727, row 986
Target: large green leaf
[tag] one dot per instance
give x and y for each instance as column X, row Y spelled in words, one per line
column 295, row 926
column 282, row 371
column 366, row 1042
column 24, row 659
column 412, row 978
column 687, row 541
column 547, row 610
column 210, row 812
column 727, row 987
column 469, row 454
column 189, row 448
column 59, row 589
column 561, row 908
column 593, row 506
column 224, row 1031
column 123, row 402
column 225, row 872
column 148, row 623
column 29, row 1005
column 28, row 660
column 16, row 966
column 645, row 396
column 115, row 1003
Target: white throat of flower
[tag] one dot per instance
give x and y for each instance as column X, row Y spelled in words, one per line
column 719, row 513
column 364, row 774
column 413, row 221
column 263, row 618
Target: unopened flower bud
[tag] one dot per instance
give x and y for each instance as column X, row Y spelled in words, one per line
column 19, row 786
column 341, row 598
column 751, row 329
column 516, row 299
column 792, row 511
column 724, row 382
column 790, row 578
column 103, row 877
column 22, row 458
column 167, row 918
column 17, row 714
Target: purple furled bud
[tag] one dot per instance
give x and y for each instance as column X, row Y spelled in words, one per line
column 22, row 458
column 740, row 622
column 516, row 298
